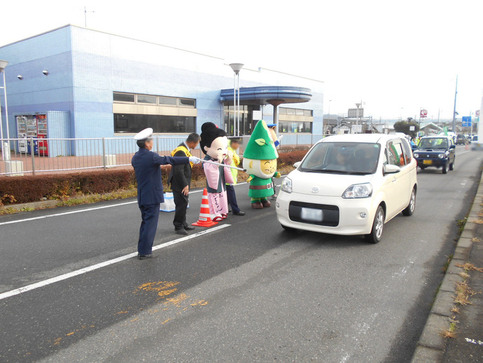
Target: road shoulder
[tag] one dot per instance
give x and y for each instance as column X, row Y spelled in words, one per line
column 448, row 318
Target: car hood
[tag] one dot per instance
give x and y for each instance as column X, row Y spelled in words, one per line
column 324, row 184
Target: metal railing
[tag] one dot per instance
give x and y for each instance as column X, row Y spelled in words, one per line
column 31, row 156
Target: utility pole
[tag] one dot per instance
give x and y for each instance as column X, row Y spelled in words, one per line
column 454, row 106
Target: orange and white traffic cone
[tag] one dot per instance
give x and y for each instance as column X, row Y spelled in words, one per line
column 205, row 216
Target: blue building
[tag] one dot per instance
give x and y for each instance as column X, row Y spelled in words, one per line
column 94, row 84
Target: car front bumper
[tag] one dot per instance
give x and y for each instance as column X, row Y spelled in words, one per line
column 434, row 162
column 355, row 216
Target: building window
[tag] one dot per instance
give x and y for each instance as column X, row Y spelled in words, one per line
column 246, row 122
column 147, row 99
column 129, row 123
column 294, row 127
column 120, row 97
column 295, row 120
column 187, row 102
column 123, row 97
column 295, row 111
column 170, row 101
column 133, row 112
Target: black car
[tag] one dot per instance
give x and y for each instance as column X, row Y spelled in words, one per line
column 460, row 140
column 436, row 151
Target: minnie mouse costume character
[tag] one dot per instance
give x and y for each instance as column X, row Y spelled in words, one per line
column 214, row 144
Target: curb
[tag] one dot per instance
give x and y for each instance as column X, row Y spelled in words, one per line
column 45, row 204
column 432, row 345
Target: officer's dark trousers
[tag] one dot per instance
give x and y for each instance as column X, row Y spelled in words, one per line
column 230, row 191
column 147, row 232
column 181, row 202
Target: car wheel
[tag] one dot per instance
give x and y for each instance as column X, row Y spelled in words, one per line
column 377, row 226
column 444, row 169
column 451, row 166
column 288, row 229
column 412, row 204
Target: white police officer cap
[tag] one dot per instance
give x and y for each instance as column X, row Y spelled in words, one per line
column 144, row 134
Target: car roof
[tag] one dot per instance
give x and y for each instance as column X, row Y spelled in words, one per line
column 436, row 137
column 369, row 138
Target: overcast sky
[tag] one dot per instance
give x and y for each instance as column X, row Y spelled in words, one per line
column 395, row 56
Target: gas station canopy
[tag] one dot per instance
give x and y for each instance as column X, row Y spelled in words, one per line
column 268, row 95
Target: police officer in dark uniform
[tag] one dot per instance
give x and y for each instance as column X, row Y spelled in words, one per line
column 150, row 187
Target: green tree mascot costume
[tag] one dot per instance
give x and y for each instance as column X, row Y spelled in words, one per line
column 260, row 161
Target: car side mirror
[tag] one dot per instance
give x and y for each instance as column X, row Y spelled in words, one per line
column 391, row 169
column 297, row 164
column 452, row 147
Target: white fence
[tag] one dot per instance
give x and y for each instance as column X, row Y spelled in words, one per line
column 30, row 156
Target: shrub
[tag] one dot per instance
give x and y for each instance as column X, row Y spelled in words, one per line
column 289, row 158
column 24, row 189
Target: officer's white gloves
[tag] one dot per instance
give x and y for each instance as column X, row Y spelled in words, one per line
column 194, row 160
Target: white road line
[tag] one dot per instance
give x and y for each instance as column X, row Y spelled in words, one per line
column 66, row 213
column 82, row 210
column 84, row 270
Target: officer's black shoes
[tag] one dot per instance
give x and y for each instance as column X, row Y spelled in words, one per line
column 189, row 228
column 144, row 257
column 239, row 213
column 181, row 232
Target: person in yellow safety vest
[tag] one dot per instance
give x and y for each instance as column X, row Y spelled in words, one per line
column 272, row 129
column 180, row 180
column 233, row 145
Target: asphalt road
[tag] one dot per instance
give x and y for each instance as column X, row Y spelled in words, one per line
column 247, row 291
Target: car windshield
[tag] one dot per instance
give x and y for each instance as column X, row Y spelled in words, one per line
column 434, row 143
column 342, row 158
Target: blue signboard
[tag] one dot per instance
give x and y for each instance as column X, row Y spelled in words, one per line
column 466, row 121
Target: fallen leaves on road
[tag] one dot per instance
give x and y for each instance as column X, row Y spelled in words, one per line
column 161, row 288
column 463, row 293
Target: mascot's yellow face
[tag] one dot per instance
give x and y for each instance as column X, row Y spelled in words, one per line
column 268, row 166
column 262, row 168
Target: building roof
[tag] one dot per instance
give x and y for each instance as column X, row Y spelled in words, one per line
column 432, row 125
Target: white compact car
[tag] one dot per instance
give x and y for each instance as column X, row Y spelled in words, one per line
column 350, row 185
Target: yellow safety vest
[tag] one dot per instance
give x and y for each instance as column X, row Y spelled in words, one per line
column 184, row 149
column 235, row 162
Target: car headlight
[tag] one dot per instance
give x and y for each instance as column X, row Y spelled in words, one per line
column 416, row 155
column 441, row 156
column 363, row 190
column 287, row 185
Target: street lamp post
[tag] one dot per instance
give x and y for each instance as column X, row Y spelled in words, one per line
column 3, row 64
column 236, row 91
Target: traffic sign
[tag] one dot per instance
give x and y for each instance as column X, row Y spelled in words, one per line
column 355, row 112
column 423, row 113
column 466, row 121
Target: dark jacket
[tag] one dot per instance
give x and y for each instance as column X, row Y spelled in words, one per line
column 180, row 175
column 148, row 174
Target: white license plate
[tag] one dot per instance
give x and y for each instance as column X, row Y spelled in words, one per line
column 315, row 215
